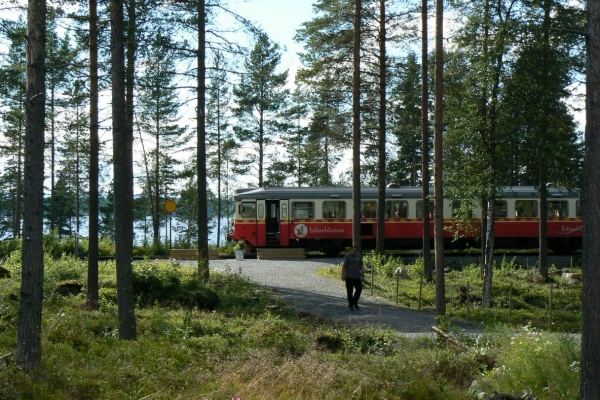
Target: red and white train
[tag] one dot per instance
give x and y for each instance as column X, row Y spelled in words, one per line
column 320, row 218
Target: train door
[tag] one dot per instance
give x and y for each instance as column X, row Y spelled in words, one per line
column 272, row 231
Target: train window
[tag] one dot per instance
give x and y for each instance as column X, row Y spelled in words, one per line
column 396, row 209
column 303, row 210
column 420, row 209
column 558, row 209
column 261, row 211
column 457, row 212
column 501, row 209
column 334, row 209
column 369, row 209
column 526, row 208
column 284, row 211
column 248, row 210
column 578, row 207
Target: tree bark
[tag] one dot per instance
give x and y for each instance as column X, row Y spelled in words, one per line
column 19, row 188
column 92, row 282
column 382, row 127
column 440, row 285
column 123, row 177
column 589, row 387
column 29, row 343
column 427, row 270
column 356, row 214
column 203, row 271
column 544, row 128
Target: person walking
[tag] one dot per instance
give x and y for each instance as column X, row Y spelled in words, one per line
column 353, row 270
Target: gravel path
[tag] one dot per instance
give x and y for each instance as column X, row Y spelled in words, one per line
column 298, row 286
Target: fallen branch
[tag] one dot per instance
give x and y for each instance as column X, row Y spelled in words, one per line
column 449, row 338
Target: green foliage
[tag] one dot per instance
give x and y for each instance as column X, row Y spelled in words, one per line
column 532, row 361
column 106, row 246
column 528, row 301
column 228, row 248
column 57, row 246
column 260, row 97
column 9, row 246
column 184, row 351
column 9, row 310
column 383, row 265
column 13, row 262
column 169, row 285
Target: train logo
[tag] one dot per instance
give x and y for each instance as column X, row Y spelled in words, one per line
column 301, row 230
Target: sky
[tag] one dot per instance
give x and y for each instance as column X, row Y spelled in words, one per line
column 279, row 19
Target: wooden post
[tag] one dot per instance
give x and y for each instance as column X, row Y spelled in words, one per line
column 420, row 291
column 397, row 284
column 510, row 302
column 550, row 309
column 571, row 269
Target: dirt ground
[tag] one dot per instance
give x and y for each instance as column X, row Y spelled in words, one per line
column 298, row 286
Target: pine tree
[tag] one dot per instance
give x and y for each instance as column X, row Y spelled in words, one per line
column 538, row 114
column 123, row 177
column 405, row 167
column 12, row 98
column 29, row 333
column 158, row 112
column 60, row 57
column 260, row 97
column 221, row 146
column 589, row 386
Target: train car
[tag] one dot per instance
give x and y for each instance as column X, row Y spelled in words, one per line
column 320, row 218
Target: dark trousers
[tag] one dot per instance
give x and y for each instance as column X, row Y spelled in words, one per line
column 353, row 284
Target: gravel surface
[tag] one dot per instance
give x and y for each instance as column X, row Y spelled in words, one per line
column 296, row 283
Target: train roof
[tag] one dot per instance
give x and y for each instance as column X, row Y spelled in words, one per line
column 407, row 192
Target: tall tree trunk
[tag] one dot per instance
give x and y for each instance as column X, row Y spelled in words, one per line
column 589, row 386
column 382, row 109
column 92, row 281
column 356, row 214
column 544, row 128
column 19, row 189
column 156, row 208
column 219, row 169
column 543, row 218
column 29, row 335
column 488, row 263
column 427, row 270
column 52, row 163
column 261, row 147
column 131, row 50
column 440, row 285
column 77, row 191
column 123, row 177
column 484, row 213
column 203, row 271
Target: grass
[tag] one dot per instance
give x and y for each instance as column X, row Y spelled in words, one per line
column 516, row 288
column 247, row 345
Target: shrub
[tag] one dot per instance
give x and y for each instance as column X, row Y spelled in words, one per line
column 106, row 247
column 168, row 285
column 9, row 246
column 68, row 267
column 542, row 364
